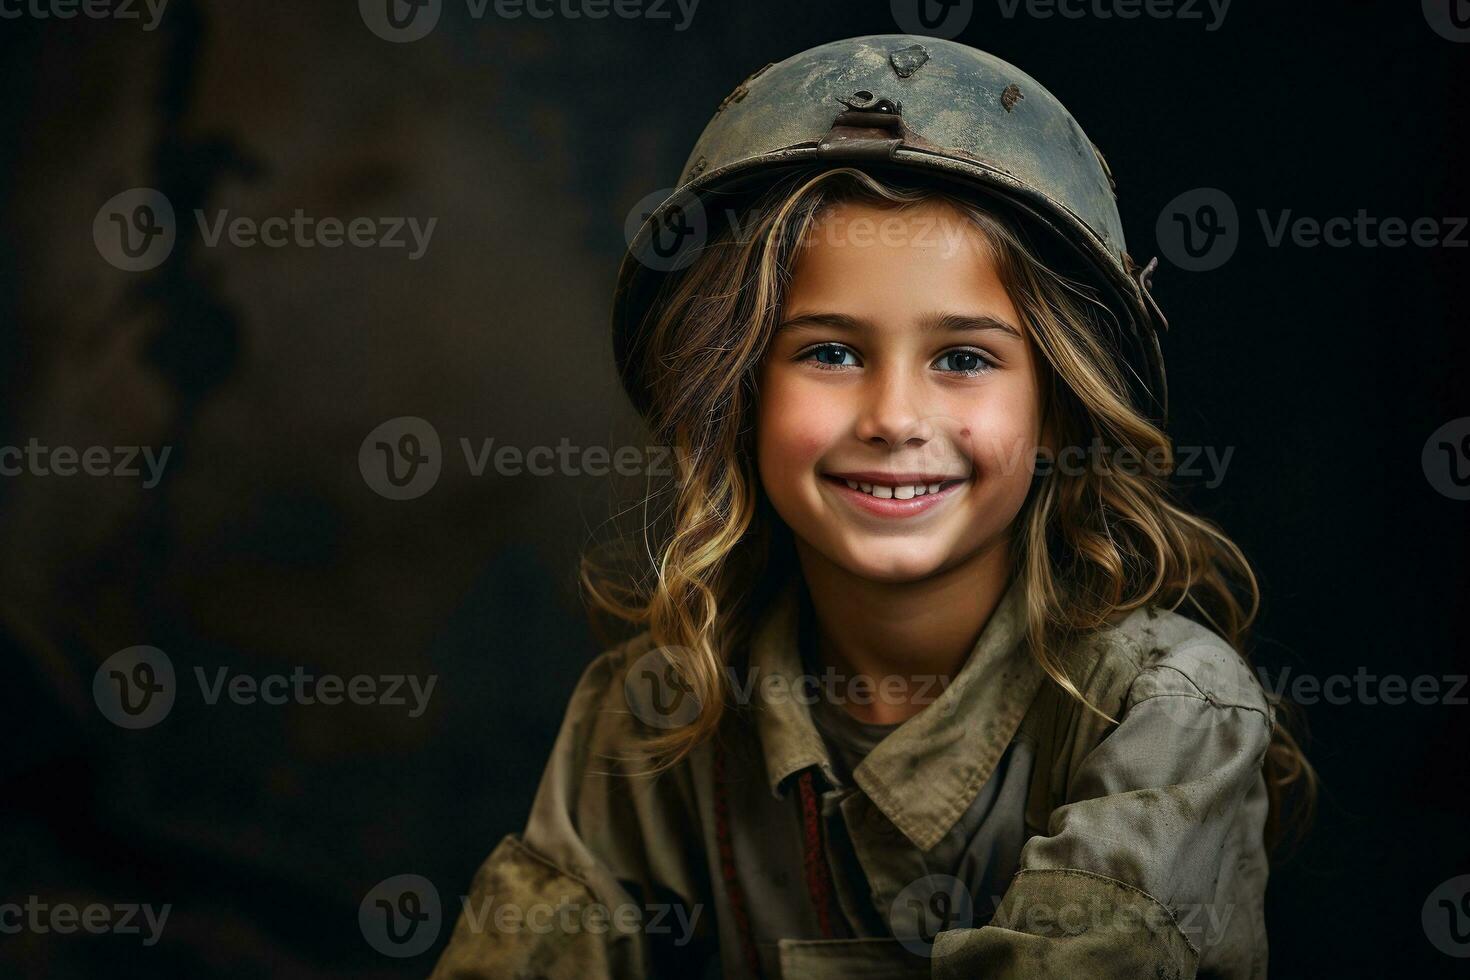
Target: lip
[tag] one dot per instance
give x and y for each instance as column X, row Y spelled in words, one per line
column 891, row 507
column 907, row 478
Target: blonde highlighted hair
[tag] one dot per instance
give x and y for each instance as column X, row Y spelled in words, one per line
column 1091, row 544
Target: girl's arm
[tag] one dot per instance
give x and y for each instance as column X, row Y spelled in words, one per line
column 1154, row 865
column 574, row 894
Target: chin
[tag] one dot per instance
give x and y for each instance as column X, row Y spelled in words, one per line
column 887, row 563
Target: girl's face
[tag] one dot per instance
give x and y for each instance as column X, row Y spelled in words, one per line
column 899, row 410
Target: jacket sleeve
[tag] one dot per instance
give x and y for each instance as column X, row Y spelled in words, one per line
column 570, row 896
column 1157, row 844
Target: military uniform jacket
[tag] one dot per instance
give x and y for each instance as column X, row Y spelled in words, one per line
column 1004, row 831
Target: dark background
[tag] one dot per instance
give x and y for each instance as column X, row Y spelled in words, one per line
column 264, row 549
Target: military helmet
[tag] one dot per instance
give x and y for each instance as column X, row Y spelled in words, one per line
column 912, row 104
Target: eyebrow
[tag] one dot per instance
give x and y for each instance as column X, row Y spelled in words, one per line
column 935, row 322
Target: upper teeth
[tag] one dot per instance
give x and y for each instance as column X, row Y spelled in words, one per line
column 897, row 493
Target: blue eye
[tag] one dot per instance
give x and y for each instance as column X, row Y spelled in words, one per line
column 964, row 362
column 828, row 356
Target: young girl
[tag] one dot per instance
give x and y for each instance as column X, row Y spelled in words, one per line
column 936, row 679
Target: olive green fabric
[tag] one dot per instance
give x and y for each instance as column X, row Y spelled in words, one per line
column 1111, row 850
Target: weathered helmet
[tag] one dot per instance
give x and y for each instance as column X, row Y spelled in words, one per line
column 915, row 104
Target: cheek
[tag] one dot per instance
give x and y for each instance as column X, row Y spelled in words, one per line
column 798, row 423
column 1004, row 434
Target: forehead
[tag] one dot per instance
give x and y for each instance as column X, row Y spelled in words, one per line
column 890, row 263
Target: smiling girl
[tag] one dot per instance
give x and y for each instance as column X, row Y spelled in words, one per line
column 907, row 703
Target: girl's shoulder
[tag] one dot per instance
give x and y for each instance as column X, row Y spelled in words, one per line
column 629, row 691
column 1154, row 652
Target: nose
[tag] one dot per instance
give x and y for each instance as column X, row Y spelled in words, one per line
column 891, row 415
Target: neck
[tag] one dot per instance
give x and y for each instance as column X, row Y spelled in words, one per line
column 895, row 638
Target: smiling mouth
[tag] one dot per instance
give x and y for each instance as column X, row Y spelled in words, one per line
column 898, row 496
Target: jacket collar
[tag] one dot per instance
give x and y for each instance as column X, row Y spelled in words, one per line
column 925, row 774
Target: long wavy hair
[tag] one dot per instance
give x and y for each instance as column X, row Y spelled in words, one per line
column 1091, row 544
